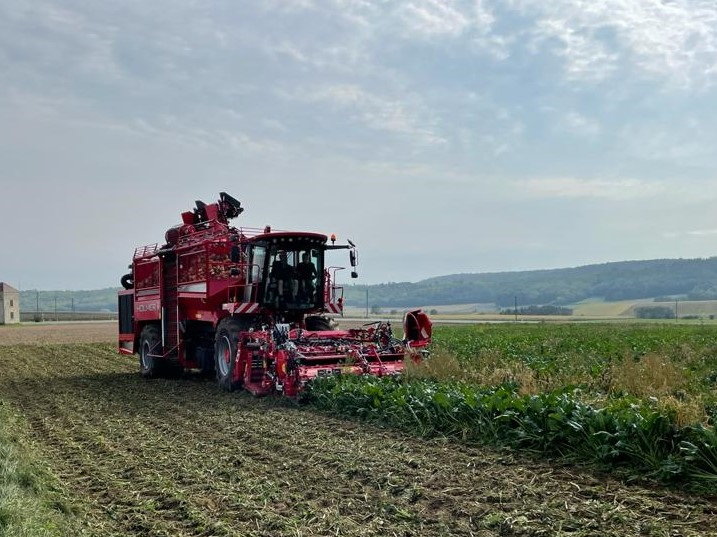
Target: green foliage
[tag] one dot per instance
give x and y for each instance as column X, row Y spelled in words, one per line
column 655, row 312
column 625, row 433
column 538, row 310
column 92, row 300
column 584, row 353
column 625, row 280
column 704, row 291
column 30, row 501
column 637, row 396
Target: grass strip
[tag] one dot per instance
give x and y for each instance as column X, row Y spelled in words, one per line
column 31, row 503
column 626, row 432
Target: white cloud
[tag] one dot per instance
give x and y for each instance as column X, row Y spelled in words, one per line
column 695, row 233
column 679, row 141
column 577, row 123
column 406, row 116
column 570, row 187
column 585, row 58
column 675, row 40
column 170, row 129
column 433, row 17
column 702, row 232
column 289, row 5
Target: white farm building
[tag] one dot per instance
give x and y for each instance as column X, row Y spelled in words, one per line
column 9, row 304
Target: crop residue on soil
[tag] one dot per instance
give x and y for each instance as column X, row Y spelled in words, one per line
column 72, row 332
column 180, row 457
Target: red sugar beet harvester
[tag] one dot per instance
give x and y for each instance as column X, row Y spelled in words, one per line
column 252, row 306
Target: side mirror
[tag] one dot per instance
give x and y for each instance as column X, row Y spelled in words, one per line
column 352, row 257
column 354, row 274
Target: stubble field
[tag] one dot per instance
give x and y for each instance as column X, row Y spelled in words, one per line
column 180, row 457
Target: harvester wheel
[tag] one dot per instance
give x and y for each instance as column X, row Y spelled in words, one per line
column 318, row 324
column 150, row 343
column 226, row 343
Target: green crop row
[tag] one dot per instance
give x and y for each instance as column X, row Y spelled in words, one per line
column 30, row 501
column 585, row 349
column 626, row 432
column 677, row 364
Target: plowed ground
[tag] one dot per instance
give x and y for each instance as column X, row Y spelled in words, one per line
column 74, row 332
column 179, row 457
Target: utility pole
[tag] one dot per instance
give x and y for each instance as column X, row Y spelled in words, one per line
column 55, row 308
column 37, row 304
column 367, row 302
column 515, row 307
column 72, row 302
column 676, row 317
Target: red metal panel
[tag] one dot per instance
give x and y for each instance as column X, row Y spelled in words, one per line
column 147, row 309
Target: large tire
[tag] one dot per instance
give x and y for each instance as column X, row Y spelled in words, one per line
column 127, row 281
column 150, row 343
column 226, row 344
column 318, row 324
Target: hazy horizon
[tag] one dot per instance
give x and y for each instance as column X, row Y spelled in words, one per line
column 357, row 282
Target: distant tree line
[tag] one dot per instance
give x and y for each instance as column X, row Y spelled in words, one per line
column 654, row 312
column 695, row 279
column 91, row 300
column 538, row 310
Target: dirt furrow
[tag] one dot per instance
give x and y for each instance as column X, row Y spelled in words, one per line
column 95, row 465
column 179, row 457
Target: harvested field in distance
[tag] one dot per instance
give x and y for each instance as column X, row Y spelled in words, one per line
column 73, row 332
column 180, row 457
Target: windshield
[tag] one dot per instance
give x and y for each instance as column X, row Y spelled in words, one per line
column 294, row 278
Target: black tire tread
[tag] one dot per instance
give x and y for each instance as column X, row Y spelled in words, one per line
column 151, row 333
column 127, row 281
column 232, row 327
column 318, row 323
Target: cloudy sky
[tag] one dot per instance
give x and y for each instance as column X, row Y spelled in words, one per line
column 441, row 136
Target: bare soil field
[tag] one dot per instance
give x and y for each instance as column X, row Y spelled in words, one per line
column 71, row 332
column 76, row 332
column 179, row 457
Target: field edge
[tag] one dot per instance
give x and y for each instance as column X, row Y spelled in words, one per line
column 32, row 501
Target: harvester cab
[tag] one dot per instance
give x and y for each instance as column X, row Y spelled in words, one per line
column 253, row 305
column 290, row 274
column 292, row 265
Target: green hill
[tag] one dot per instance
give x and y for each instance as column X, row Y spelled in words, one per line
column 90, row 300
column 694, row 279
column 691, row 279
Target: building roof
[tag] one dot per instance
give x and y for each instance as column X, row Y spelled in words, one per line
column 5, row 288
